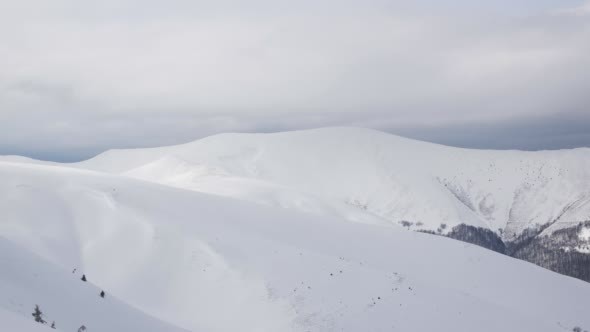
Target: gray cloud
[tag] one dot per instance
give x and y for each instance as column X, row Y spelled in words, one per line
column 77, row 78
column 566, row 131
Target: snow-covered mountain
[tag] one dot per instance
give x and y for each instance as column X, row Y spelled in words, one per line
column 209, row 263
column 386, row 176
column 512, row 201
column 294, row 232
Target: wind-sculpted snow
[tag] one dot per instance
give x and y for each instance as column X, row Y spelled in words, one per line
column 211, row 263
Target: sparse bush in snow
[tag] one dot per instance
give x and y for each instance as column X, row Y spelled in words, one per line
column 406, row 223
column 38, row 315
column 427, row 231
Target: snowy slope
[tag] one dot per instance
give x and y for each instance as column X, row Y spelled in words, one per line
column 14, row 322
column 26, row 281
column 373, row 177
column 210, row 263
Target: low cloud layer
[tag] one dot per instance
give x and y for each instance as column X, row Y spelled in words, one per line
column 77, row 78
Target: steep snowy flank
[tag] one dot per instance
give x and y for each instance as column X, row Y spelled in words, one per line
column 64, row 300
column 211, row 263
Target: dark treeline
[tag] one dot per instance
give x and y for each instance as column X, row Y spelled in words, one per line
column 555, row 252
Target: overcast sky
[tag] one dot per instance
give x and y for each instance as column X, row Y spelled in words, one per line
column 79, row 77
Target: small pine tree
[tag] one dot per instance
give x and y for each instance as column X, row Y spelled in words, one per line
column 53, row 325
column 83, row 277
column 102, row 294
column 38, row 315
column 406, row 223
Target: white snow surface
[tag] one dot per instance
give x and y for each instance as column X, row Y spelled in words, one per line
column 14, row 322
column 209, row 263
column 369, row 176
column 254, row 233
column 27, row 280
column 584, row 237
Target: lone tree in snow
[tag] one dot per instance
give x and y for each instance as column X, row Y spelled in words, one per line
column 53, row 325
column 83, row 277
column 406, row 223
column 102, row 294
column 38, row 315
